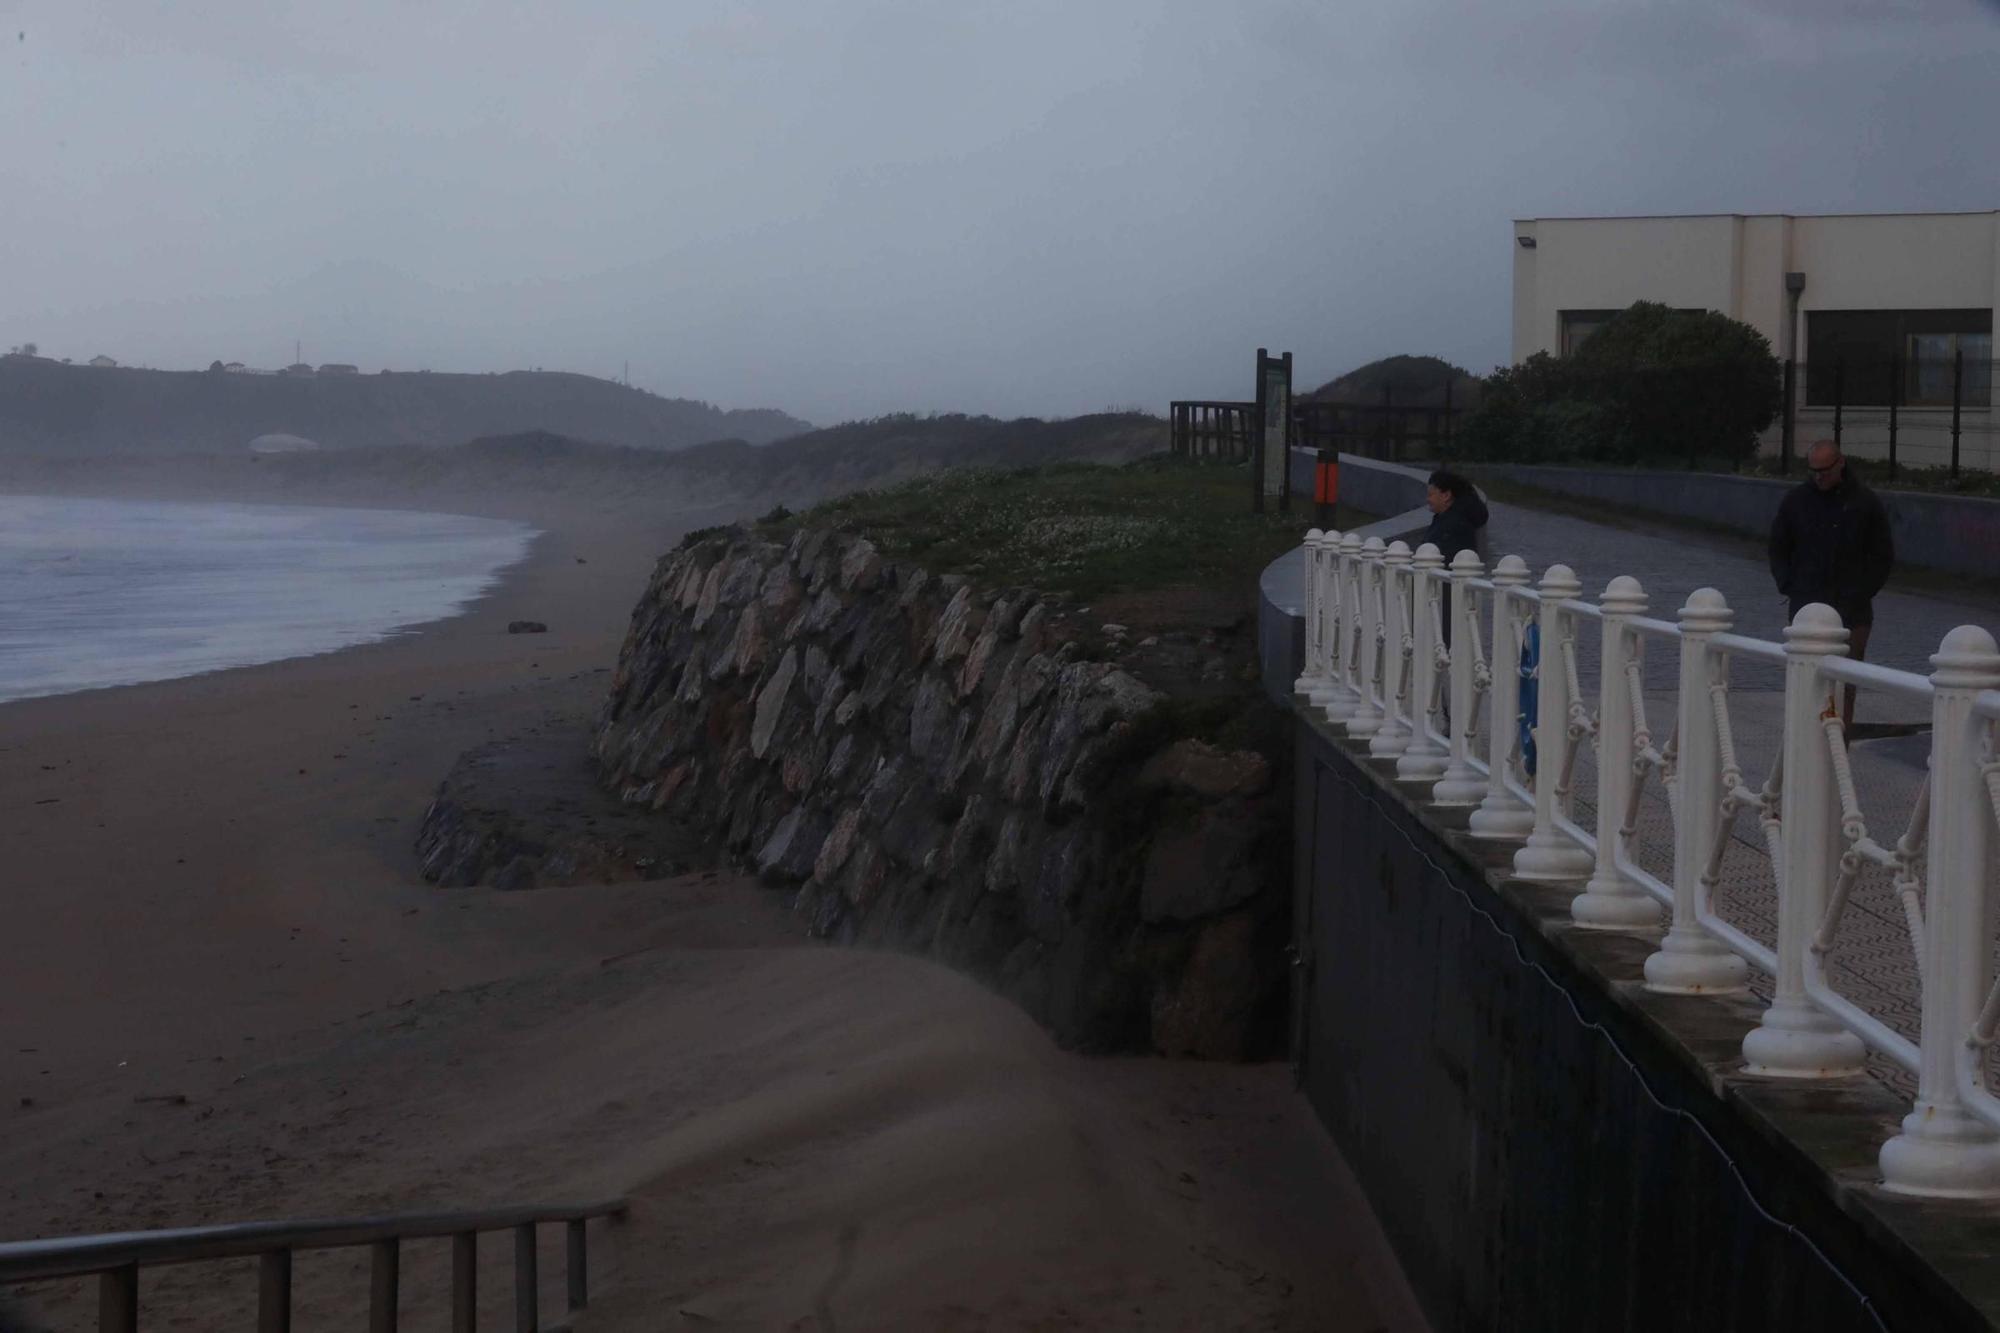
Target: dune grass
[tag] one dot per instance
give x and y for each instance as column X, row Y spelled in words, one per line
column 1074, row 529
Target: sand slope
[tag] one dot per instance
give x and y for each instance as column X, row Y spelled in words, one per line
column 224, row 995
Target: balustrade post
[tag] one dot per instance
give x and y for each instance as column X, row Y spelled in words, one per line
column 1367, row 715
column 1502, row 816
column 1311, row 669
column 1343, row 555
column 1393, row 736
column 1610, row 900
column 1795, row 1039
column 1326, row 687
column 1550, row 855
column 1691, row 961
column 1461, row 784
column 1944, row 1149
column 1426, row 758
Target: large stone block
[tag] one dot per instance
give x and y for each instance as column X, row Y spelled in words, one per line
column 771, row 702
column 790, row 849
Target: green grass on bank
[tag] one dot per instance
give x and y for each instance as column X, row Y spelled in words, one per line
column 1074, row 529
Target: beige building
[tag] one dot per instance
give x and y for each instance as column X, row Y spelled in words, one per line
column 1889, row 316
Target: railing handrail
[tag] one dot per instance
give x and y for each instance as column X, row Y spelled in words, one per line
column 1889, row 680
column 1382, row 661
column 1742, row 645
column 78, row 1256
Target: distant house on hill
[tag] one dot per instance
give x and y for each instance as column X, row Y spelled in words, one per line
column 298, row 368
column 234, row 367
column 339, row 368
column 103, row 362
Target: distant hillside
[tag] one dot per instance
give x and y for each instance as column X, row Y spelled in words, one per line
column 50, row 408
column 1412, row 381
column 519, row 475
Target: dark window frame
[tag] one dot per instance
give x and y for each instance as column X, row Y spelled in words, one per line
column 1864, row 358
column 1567, row 338
column 1566, row 344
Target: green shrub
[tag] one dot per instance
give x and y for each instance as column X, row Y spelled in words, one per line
column 1653, row 385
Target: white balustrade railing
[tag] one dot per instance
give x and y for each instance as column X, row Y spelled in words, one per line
column 1402, row 653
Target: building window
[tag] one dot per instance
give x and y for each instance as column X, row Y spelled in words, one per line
column 1869, row 358
column 1578, row 325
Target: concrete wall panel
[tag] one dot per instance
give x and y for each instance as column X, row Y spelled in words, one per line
column 1541, row 1151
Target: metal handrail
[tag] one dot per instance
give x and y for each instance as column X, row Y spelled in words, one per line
column 117, row 1257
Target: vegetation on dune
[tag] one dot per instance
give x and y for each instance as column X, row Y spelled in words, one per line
column 1075, row 529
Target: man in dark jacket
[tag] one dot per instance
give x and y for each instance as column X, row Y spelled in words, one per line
column 1830, row 543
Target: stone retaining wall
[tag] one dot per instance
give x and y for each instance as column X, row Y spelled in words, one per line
column 944, row 769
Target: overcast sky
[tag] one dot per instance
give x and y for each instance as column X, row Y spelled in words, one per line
column 848, row 207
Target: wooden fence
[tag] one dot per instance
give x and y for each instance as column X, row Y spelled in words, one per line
column 1214, row 432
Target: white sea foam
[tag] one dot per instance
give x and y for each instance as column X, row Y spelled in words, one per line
column 114, row 592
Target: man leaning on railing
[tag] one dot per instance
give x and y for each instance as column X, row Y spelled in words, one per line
column 1830, row 543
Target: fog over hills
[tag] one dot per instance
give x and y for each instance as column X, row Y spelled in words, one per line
column 50, row 408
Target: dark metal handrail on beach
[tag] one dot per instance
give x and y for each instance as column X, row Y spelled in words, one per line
column 118, row 1256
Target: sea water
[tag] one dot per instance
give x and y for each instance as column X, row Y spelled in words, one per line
column 114, row 592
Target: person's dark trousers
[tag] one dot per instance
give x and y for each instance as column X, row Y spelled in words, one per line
column 1859, row 621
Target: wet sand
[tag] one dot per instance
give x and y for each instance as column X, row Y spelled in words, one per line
column 225, row 994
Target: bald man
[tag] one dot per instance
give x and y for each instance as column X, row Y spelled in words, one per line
column 1830, row 543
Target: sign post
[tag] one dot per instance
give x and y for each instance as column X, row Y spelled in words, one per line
column 1272, row 456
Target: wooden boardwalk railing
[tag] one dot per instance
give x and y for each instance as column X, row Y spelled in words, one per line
column 1213, row 431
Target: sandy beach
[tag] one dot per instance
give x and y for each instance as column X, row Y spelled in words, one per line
column 225, row 994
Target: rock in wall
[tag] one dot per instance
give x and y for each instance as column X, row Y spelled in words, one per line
column 935, row 767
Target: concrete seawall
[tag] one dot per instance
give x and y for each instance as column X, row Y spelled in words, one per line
column 1955, row 533
column 1547, row 1145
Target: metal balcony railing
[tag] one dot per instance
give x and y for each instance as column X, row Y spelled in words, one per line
column 1409, row 656
column 117, row 1257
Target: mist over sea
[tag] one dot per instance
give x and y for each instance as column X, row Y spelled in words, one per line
column 114, row 592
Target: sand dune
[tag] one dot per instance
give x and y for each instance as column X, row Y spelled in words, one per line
column 210, row 896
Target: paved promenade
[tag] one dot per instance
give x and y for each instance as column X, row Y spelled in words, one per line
column 1873, row 961
column 1671, row 563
